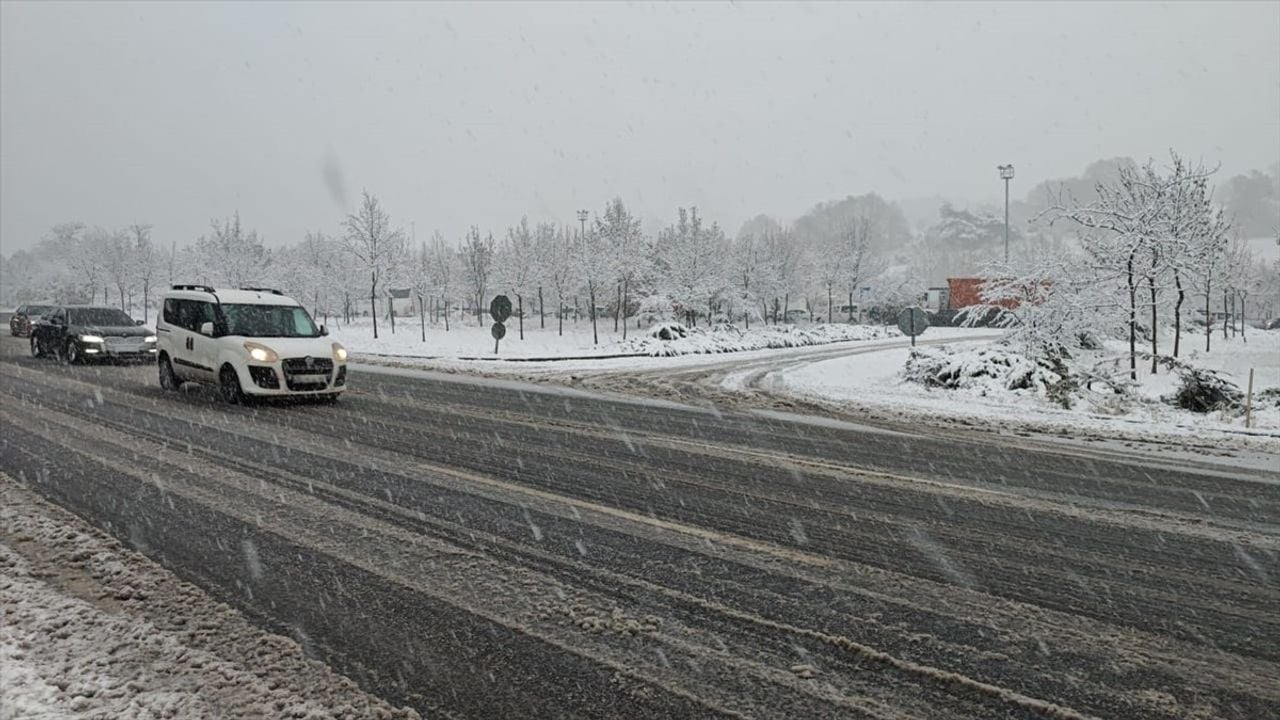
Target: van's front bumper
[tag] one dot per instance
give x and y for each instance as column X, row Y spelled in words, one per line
column 273, row 379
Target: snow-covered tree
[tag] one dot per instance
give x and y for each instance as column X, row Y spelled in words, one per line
column 145, row 262
column 230, row 255
column 750, row 272
column 1148, row 231
column 785, row 276
column 691, row 265
column 1119, row 232
column 476, row 255
column 561, row 262
column 597, row 265
column 81, row 253
column 371, row 240
column 514, row 266
column 442, row 260
column 1194, row 242
column 117, row 255
column 631, row 257
column 544, row 254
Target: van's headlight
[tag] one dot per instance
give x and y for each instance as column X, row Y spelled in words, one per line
column 91, row 338
column 339, row 353
column 261, row 353
column 150, row 338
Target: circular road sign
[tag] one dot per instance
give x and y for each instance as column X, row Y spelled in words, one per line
column 498, row 331
column 500, row 308
column 913, row 321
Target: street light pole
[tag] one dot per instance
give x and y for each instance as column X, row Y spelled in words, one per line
column 582, row 220
column 1006, row 174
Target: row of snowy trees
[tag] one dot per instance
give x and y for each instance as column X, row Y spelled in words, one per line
column 607, row 265
column 1151, row 244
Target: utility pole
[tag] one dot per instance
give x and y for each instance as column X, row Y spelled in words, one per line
column 1006, row 174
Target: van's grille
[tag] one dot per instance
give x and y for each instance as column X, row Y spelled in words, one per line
column 300, row 366
column 309, row 373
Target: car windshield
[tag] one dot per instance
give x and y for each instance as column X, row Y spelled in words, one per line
column 106, row 317
column 268, row 321
column 39, row 310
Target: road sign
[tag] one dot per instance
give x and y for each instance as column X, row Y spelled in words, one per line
column 912, row 322
column 500, row 308
column 498, row 331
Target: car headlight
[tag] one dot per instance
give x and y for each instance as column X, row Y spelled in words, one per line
column 91, row 338
column 150, row 338
column 339, row 353
column 261, row 353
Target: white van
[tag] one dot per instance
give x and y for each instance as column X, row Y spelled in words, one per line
column 249, row 342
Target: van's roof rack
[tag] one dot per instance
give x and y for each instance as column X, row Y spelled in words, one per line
column 273, row 291
column 197, row 288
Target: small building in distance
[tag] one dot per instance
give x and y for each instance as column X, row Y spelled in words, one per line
column 963, row 292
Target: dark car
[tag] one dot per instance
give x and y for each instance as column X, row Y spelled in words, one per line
column 25, row 317
column 79, row 333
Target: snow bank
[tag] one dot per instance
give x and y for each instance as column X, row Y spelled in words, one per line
column 672, row 339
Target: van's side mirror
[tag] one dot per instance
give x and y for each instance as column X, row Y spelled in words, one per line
column 206, row 329
column 324, row 331
column 137, row 322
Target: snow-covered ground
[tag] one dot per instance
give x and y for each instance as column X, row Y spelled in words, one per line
column 89, row 629
column 875, row 380
column 545, row 354
column 473, row 342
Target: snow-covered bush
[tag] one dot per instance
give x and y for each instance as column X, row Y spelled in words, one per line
column 1203, row 391
column 985, row 368
column 668, row 331
column 1268, row 398
column 1199, row 389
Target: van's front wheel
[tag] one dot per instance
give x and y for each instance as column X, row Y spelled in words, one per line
column 229, row 384
column 168, row 380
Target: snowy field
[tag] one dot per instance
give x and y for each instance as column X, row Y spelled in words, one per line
column 473, row 342
column 875, row 380
column 89, row 629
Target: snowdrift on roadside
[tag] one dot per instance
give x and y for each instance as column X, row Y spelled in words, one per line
column 671, row 339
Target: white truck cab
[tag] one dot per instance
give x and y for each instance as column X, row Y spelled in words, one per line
column 248, row 342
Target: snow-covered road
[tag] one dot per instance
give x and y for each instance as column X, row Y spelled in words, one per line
column 476, row 549
column 90, row 629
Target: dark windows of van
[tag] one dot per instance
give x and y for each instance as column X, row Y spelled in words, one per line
column 188, row 314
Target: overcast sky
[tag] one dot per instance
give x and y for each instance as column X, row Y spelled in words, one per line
column 175, row 113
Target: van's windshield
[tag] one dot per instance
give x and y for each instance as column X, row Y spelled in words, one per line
column 268, row 321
